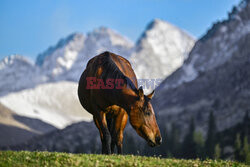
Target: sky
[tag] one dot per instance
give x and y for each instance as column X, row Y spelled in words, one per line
column 29, row 27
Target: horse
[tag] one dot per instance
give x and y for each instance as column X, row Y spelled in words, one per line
column 108, row 90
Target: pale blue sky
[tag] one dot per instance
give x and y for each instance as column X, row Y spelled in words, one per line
column 28, row 27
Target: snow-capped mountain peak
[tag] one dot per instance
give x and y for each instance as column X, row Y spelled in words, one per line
column 62, row 43
column 60, row 58
column 104, row 33
column 161, row 49
column 102, row 39
column 14, row 60
column 16, row 73
column 96, row 42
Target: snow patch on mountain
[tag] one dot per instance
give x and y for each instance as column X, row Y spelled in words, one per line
column 54, row 103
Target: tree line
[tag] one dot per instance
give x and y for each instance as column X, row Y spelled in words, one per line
column 232, row 143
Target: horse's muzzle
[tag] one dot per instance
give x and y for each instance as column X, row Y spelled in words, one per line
column 158, row 140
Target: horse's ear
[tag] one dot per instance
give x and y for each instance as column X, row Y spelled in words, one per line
column 151, row 95
column 140, row 92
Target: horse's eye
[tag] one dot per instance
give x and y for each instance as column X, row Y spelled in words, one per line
column 147, row 113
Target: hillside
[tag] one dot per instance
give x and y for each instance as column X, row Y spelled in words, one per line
column 215, row 48
column 214, row 78
column 81, row 137
column 15, row 129
column 23, row 158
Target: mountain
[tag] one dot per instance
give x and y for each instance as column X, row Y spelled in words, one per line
column 81, row 137
column 168, row 47
column 98, row 41
column 15, row 129
column 58, row 59
column 215, row 47
column 56, row 104
column 67, row 60
column 18, row 73
column 214, row 78
column 64, row 61
column 42, row 91
column 161, row 49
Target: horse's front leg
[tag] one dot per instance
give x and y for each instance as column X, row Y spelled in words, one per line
column 100, row 120
column 120, row 124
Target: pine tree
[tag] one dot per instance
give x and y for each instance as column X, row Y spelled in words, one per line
column 248, row 159
column 164, row 148
column 246, row 125
column 245, row 151
column 174, row 141
column 129, row 145
column 199, row 141
column 211, row 138
column 188, row 145
column 237, row 148
column 217, row 151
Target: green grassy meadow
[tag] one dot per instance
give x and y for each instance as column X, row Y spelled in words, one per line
column 25, row 158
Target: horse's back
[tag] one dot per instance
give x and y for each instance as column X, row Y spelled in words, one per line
column 124, row 66
column 104, row 66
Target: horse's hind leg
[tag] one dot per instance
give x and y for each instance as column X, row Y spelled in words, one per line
column 101, row 123
column 111, row 126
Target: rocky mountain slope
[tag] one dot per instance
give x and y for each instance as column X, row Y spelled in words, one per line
column 214, row 48
column 214, row 78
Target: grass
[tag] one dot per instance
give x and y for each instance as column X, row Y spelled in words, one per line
column 25, row 158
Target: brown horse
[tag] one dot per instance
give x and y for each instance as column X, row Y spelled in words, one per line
column 108, row 90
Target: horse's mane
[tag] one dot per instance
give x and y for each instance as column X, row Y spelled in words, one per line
column 113, row 71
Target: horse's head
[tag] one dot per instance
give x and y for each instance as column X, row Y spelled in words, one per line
column 142, row 118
